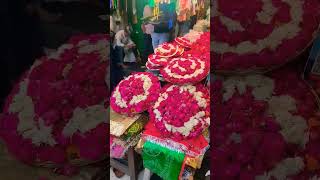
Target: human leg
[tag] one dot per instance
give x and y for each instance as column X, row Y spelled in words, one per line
column 155, row 40
column 164, row 37
column 119, row 54
column 185, row 27
column 148, row 44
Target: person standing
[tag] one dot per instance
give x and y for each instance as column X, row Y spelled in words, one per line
column 164, row 27
column 160, row 35
column 147, row 29
column 184, row 11
column 117, row 66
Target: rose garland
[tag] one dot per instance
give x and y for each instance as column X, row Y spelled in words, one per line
column 180, row 51
column 166, row 50
column 201, row 48
column 152, row 67
column 185, row 70
column 57, row 109
column 193, row 36
column 261, row 34
column 260, row 123
column 156, row 60
column 184, row 42
column 181, row 112
column 135, row 94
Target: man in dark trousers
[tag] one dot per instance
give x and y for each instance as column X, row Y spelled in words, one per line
column 117, row 65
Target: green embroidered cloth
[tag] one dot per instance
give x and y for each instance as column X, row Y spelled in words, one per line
column 164, row 162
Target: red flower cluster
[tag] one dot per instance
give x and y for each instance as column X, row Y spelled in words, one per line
column 57, row 87
column 247, row 141
column 152, row 67
column 180, row 51
column 182, row 47
column 175, row 112
column 254, row 31
column 184, row 42
column 166, row 50
column 185, row 70
column 135, row 94
column 201, row 48
column 157, row 61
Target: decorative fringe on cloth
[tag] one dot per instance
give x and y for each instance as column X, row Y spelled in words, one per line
column 175, row 146
column 164, row 162
column 192, row 147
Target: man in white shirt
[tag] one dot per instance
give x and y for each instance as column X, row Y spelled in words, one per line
column 125, row 48
column 123, row 40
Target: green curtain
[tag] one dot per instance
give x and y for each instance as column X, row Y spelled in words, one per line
column 164, row 162
column 137, row 35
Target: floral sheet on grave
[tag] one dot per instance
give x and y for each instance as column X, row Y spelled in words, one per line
column 160, row 153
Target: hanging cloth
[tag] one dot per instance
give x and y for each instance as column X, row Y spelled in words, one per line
column 126, row 5
column 184, row 10
column 194, row 7
column 117, row 7
column 152, row 3
column 114, row 4
column 134, row 12
column 156, row 9
column 165, row 1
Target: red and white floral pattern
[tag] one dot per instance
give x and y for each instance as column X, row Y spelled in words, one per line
column 201, row 48
column 184, row 42
column 261, row 34
column 57, row 110
column 185, row 70
column 180, row 51
column 152, row 67
column 157, row 60
column 182, row 111
column 260, row 126
column 166, row 50
column 135, row 94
